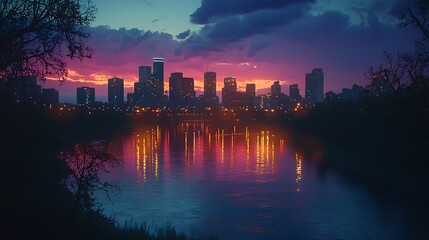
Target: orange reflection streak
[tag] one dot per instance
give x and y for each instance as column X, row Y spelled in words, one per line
column 267, row 159
column 258, row 153
column 193, row 146
column 232, row 147
column 273, row 158
column 138, row 156
column 247, row 148
column 223, row 146
column 144, row 159
column 298, row 171
column 147, row 155
column 186, row 146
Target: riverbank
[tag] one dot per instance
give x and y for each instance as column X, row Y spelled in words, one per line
column 35, row 202
column 381, row 141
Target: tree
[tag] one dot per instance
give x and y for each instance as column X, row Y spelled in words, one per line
column 411, row 69
column 37, row 35
column 417, row 16
column 85, row 163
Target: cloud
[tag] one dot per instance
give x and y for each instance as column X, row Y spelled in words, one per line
column 213, row 9
column 183, row 35
column 283, row 42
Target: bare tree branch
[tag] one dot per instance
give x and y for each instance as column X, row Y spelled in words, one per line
column 35, row 33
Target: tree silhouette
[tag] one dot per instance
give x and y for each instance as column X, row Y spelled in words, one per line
column 85, row 163
column 37, row 35
column 410, row 69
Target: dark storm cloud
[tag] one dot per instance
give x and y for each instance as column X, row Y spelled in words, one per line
column 234, row 28
column 183, row 35
column 123, row 38
column 214, row 9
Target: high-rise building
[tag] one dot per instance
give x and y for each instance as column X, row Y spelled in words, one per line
column 24, row 88
column 130, row 99
column 276, row 89
column 229, row 92
column 50, row 96
column 314, row 86
column 175, row 89
column 294, row 92
column 188, row 87
column 115, row 91
column 157, row 82
column 144, row 73
column 141, row 89
column 210, row 97
column 85, row 96
column 251, row 90
column 250, row 94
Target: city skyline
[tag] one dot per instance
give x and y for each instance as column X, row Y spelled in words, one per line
column 281, row 48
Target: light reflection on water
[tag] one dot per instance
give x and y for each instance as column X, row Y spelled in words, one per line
column 236, row 182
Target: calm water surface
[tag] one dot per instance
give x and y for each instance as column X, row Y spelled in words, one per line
column 241, row 182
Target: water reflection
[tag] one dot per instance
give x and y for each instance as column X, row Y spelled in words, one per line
column 237, row 182
column 298, row 171
column 146, row 145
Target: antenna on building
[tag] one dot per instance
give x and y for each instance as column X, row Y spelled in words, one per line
column 207, row 69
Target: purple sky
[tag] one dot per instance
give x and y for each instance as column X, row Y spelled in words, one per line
column 253, row 40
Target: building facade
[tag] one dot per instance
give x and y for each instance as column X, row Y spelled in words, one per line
column 314, row 82
column 85, row 96
column 115, row 91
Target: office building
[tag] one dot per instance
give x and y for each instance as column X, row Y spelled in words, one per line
column 175, row 89
column 314, row 82
column 50, row 96
column 210, row 97
column 85, row 96
column 229, row 92
column 144, row 73
column 157, row 82
column 294, row 92
column 115, row 91
column 23, row 89
column 276, row 89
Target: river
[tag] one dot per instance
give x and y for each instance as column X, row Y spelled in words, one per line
column 243, row 182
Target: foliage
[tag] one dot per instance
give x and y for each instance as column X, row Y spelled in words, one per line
column 35, row 33
column 86, row 162
column 409, row 69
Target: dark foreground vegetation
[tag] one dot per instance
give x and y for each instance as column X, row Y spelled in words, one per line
column 36, row 203
column 380, row 140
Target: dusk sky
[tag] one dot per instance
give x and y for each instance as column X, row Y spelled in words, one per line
column 253, row 40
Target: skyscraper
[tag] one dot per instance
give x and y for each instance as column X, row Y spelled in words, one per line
column 229, row 92
column 314, row 86
column 115, row 91
column 85, row 96
column 188, row 87
column 158, row 81
column 276, row 88
column 141, row 88
column 144, row 73
column 175, row 89
column 210, row 97
column 250, row 94
column 294, row 92
column 251, row 89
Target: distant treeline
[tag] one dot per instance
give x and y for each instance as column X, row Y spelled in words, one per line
column 382, row 140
